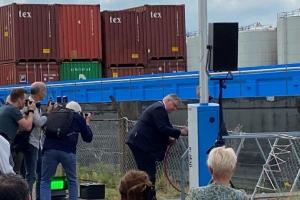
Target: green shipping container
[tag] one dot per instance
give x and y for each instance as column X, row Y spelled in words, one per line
column 80, row 70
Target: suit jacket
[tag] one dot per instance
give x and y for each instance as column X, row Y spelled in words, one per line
column 152, row 131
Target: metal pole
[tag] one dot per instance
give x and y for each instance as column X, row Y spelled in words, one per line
column 203, row 79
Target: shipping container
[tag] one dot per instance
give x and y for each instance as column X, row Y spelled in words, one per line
column 123, row 38
column 123, row 71
column 80, row 70
column 79, row 35
column 27, row 32
column 23, row 73
column 153, row 67
column 165, row 29
column 166, row 66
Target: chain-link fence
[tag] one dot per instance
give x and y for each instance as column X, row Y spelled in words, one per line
column 263, row 163
column 107, row 158
column 268, row 164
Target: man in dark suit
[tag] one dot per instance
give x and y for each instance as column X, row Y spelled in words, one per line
column 150, row 137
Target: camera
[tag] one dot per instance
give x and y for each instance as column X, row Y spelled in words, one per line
column 28, row 102
column 58, row 99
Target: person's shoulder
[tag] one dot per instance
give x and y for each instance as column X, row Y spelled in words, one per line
column 10, row 108
column 238, row 194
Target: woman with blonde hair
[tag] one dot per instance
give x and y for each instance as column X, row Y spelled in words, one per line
column 135, row 185
column 221, row 163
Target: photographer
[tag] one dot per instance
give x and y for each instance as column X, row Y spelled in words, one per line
column 31, row 149
column 62, row 148
column 11, row 118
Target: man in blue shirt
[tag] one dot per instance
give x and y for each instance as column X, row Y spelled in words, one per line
column 63, row 150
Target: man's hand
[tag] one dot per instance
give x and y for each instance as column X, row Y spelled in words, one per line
column 172, row 140
column 32, row 106
column 184, row 131
column 88, row 118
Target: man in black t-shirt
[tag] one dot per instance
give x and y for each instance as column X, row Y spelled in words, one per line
column 11, row 118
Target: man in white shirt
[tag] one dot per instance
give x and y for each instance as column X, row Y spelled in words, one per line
column 31, row 154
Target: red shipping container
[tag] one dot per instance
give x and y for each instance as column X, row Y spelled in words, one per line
column 27, row 32
column 23, row 73
column 165, row 29
column 123, row 38
column 123, row 71
column 79, row 35
column 165, row 66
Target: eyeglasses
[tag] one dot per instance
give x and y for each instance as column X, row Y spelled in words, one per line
column 175, row 103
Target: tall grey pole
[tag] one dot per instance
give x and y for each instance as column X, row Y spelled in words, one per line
column 203, row 78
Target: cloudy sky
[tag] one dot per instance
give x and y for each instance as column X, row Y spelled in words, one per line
column 243, row 11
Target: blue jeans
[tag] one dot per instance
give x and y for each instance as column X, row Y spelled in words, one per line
column 38, row 173
column 50, row 160
column 30, row 160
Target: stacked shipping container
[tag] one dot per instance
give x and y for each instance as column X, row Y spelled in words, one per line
column 142, row 40
column 45, row 35
column 147, row 39
column 79, row 39
column 28, row 32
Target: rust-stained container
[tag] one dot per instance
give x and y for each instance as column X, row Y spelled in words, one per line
column 27, row 32
column 165, row 29
column 123, row 71
column 79, row 36
column 22, row 73
column 123, row 38
column 165, row 66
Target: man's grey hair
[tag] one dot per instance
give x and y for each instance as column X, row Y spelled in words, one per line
column 74, row 106
column 36, row 87
column 173, row 97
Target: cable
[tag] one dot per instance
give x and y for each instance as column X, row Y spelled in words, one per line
column 165, row 168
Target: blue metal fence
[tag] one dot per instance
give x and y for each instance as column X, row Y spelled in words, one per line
column 261, row 81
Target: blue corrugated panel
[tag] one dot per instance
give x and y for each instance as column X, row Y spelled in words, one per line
column 248, row 82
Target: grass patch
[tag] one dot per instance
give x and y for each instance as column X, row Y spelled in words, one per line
column 104, row 174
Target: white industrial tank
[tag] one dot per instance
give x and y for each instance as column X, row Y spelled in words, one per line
column 257, row 45
column 193, row 52
column 288, row 33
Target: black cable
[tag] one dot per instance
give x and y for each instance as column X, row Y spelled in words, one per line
column 208, row 60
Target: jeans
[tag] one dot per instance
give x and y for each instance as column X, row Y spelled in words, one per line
column 145, row 162
column 50, row 160
column 38, row 173
column 30, row 160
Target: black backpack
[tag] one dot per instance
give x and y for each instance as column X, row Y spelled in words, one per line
column 58, row 123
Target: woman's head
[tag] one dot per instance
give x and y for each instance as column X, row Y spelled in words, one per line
column 221, row 162
column 135, row 185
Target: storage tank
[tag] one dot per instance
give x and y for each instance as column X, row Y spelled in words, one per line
column 257, row 45
column 288, row 32
column 193, row 52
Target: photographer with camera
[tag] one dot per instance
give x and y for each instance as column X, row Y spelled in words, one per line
column 11, row 119
column 62, row 129
column 30, row 142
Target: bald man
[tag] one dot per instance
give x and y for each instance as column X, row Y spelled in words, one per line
column 31, row 152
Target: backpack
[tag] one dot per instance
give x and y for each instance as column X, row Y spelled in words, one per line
column 58, row 123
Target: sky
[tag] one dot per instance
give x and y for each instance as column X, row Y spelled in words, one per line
column 245, row 12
